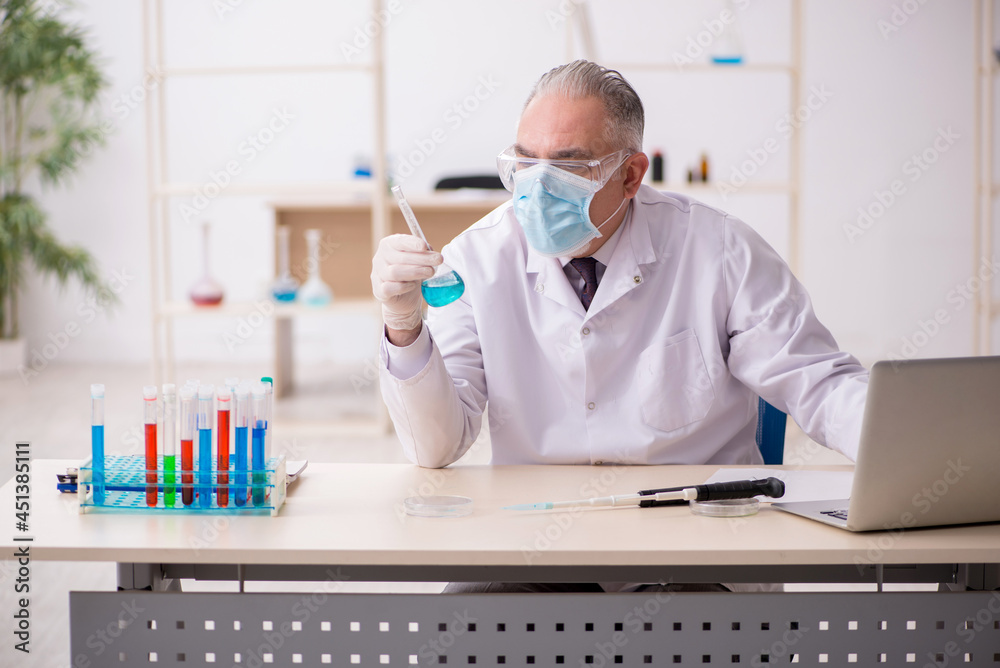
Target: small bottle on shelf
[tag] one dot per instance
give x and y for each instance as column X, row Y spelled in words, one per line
column 314, row 291
column 206, row 291
column 285, row 286
column 658, row 166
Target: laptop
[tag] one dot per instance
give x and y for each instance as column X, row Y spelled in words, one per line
column 930, row 449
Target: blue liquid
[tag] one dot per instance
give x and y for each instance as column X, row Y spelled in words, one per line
column 259, row 432
column 205, row 468
column 97, row 463
column 442, row 290
column 288, row 296
column 241, row 466
column 727, row 60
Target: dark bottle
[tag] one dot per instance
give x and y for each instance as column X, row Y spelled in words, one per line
column 657, row 167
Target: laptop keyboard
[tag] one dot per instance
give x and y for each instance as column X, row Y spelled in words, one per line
column 839, row 514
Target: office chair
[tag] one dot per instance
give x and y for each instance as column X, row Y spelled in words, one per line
column 486, row 181
column 770, row 432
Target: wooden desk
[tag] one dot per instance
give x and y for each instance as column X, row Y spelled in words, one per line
column 344, row 521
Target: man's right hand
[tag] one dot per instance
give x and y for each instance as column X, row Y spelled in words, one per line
column 401, row 262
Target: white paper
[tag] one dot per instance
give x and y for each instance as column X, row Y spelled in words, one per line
column 799, row 485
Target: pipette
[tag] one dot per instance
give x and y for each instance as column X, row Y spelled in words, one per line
column 445, row 286
column 742, row 489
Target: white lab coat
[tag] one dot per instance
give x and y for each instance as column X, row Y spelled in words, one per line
column 694, row 318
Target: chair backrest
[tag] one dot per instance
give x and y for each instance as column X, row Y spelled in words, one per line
column 770, row 432
column 486, row 181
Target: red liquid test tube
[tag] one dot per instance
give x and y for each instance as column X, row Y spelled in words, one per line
column 149, row 418
column 187, row 395
column 223, row 396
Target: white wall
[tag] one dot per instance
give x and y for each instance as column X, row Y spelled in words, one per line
column 889, row 96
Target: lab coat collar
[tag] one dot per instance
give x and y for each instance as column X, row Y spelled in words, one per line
column 634, row 247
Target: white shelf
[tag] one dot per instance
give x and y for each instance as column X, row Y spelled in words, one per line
column 316, row 68
column 271, row 188
column 446, row 199
column 282, row 311
column 700, row 68
column 756, row 187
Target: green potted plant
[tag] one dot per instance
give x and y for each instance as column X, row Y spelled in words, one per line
column 49, row 84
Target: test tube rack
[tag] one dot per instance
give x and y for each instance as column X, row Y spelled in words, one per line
column 125, row 488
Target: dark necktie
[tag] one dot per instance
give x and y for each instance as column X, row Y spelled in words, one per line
column 587, row 266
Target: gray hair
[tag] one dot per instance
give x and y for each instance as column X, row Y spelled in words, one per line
column 582, row 78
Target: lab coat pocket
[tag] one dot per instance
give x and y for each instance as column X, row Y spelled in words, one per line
column 673, row 382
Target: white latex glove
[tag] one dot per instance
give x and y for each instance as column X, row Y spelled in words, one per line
column 401, row 262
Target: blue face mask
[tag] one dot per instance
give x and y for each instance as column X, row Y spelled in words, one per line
column 553, row 208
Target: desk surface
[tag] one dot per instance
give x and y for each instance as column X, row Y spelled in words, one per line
column 351, row 514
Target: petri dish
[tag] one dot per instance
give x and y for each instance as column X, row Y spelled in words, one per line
column 437, row 506
column 726, row 508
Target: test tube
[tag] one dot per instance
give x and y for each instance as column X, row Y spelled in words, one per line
column 231, row 384
column 188, row 414
column 169, row 443
column 149, row 419
column 206, row 393
column 269, row 430
column 97, row 440
column 259, row 418
column 240, row 443
column 223, row 397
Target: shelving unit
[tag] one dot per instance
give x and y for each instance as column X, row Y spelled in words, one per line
column 165, row 306
column 581, row 23
column 987, row 189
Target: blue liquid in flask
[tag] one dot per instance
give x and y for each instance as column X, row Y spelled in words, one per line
column 442, row 289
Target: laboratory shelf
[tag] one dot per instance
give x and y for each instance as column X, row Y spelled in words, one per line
column 269, row 308
column 257, row 70
column 755, row 187
column 360, row 187
column 700, row 68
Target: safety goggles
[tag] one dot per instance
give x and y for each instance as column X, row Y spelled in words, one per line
column 597, row 171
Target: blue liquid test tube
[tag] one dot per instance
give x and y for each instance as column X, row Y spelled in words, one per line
column 206, row 394
column 241, row 443
column 259, row 422
column 97, row 440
